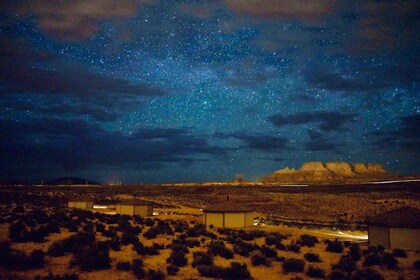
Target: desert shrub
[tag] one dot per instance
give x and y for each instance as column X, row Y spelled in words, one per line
column 115, row 244
column 36, row 259
column 151, row 233
column 389, row 260
column 149, row 222
column 346, row 264
column 197, row 230
column 16, row 260
column 111, row 232
column 57, row 248
column 124, row 266
column 178, row 247
column 172, row 269
column 416, row 265
column 146, row 250
column 293, row 265
column 293, row 247
column 268, row 252
column 138, row 269
column 308, row 240
column 129, row 237
column 210, row 271
column 192, row 242
column 399, row 253
column 72, row 226
column 274, row 238
column 372, row 259
column 243, row 248
column 258, row 259
column 315, row 272
column 236, row 271
column 281, row 246
column 312, row 257
column 17, row 232
column 163, row 227
column 92, row 258
column 51, row 276
column 155, row 274
column 202, row 258
column 367, row 274
column 226, row 253
column 219, row 248
column 178, row 259
column 18, row 209
column 335, row 247
column 338, row 275
column 99, row 227
column 180, row 226
column 354, row 251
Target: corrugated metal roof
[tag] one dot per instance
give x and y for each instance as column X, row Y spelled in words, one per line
column 134, row 201
column 401, row 217
column 228, row 206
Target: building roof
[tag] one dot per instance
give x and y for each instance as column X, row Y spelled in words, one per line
column 80, row 199
column 134, row 201
column 228, row 206
column 401, row 217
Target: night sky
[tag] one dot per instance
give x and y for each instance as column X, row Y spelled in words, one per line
column 173, row 91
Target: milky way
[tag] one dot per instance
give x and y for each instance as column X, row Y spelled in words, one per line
column 170, row 91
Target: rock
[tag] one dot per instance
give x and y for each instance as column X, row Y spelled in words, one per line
column 336, row 172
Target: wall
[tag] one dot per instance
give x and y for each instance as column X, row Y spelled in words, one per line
column 378, row 236
column 405, row 238
column 143, row 210
column 233, row 220
column 215, row 219
column 80, row 204
column 249, row 219
column 125, row 209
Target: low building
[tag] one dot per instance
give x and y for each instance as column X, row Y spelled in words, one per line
column 228, row 215
column 399, row 228
column 135, row 207
column 80, row 203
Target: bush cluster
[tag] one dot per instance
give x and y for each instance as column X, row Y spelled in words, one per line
column 293, row 265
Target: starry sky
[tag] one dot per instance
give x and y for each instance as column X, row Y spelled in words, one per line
column 181, row 91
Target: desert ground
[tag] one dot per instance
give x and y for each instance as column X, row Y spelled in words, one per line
column 300, row 233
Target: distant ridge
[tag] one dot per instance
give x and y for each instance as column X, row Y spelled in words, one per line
column 330, row 172
column 71, row 181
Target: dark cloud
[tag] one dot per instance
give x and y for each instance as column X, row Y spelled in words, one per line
column 367, row 79
column 70, row 79
column 266, row 143
column 199, row 10
column 78, row 19
column 248, row 79
column 305, row 10
column 76, row 145
column 328, row 121
column 406, row 137
column 386, row 26
column 319, row 142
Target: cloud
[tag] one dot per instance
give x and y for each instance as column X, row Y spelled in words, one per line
column 199, row 10
column 406, row 137
column 363, row 78
column 328, row 121
column 70, row 79
column 77, row 144
column 77, row 19
column 266, row 143
column 386, row 26
column 308, row 11
column 318, row 142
